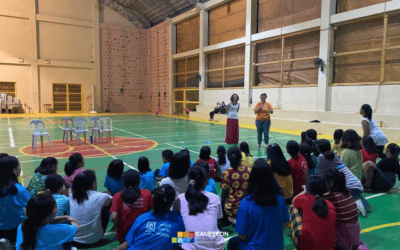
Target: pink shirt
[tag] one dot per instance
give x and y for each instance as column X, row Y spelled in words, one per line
column 69, row 179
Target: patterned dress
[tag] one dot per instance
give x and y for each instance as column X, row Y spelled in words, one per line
column 36, row 184
column 235, row 182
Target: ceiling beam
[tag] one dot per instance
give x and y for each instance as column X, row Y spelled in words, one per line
column 138, row 19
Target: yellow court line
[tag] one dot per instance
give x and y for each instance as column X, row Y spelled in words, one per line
column 70, row 148
column 366, row 230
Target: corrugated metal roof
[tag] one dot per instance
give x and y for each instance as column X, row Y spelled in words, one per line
column 147, row 13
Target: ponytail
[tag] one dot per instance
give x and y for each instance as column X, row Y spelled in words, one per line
column 244, row 147
column 39, row 208
column 221, row 151
column 316, row 185
column 367, row 111
column 197, row 201
column 235, row 157
column 164, row 196
column 7, row 176
column 73, row 163
column 81, row 184
column 131, row 193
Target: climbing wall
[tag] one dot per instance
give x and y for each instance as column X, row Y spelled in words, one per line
column 158, row 67
column 135, row 68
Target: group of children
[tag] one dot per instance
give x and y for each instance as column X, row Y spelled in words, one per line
column 316, row 193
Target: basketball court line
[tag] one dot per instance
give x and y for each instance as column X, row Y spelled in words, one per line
column 130, row 133
column 10, row 133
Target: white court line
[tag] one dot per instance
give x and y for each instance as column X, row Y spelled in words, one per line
column 375, row 195
column 129, row 132
column 10, row 133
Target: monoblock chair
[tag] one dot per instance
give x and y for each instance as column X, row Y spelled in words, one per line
column 37, row 131
column 106, row 127
column 96, row 129
column 68, row 128
column 81, row 127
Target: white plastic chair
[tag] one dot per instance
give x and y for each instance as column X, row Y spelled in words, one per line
column 81, row 127
column 37, row 132
column 96, row 128
column 106, row 127
column 68, row 128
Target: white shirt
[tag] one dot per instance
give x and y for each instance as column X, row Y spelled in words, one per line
column 233, row 110
column 226, row 166
column 180, row 185
column 88, row 215
column 375, row 132
column 203, row 223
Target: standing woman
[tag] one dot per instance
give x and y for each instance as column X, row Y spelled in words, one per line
column 372, row 129
column 232, row 124
column 263, row 111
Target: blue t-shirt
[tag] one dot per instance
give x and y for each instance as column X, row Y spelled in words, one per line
column 155, row 231
column 62, row 204
column 165, row 167
column 50, row 236
column 113, row 185
column 263, row 226
column 12, row 207
column 211, row 187
column 148, row 181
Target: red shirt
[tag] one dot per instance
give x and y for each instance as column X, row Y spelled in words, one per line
column 368, row 157
column 299, row 172
column 317, row 233
column 346, row 208
column 127, row 214
column 212, row 163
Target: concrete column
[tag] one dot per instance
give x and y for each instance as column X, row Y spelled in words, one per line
column 96, row 55
column 202, row 55
column 34, row 57
column 172, row 51
column 324, row 99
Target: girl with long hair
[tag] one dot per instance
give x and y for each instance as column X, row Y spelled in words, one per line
column 154, row 230
column 89, row 207
column 262, row 213
column 222, row 159
column 351, row 154
column 128, row 204
column 13, row 198
column 337, row 142
column 147, row 176
column 247, row 157
column 205, row 156
column 369, row 150
column 42, row 229
column 198, row 205
column 318, row 216
column 282, row 170
column 48, row 166
column 73, row 167
column 232, row 124
column 113, row 182
column 178, row 170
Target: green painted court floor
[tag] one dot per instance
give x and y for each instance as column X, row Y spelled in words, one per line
column 155, row 134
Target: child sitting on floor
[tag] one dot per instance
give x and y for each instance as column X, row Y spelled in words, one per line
column 73, row 167
column 147, row 176
column 298, row 167
column 166, row 156
column 337, row 143
column 247, row 157
column 211, row 187
column 369, row 150
column 55, row 184
column 205, row 156
column 48, row 166
column 113, row 181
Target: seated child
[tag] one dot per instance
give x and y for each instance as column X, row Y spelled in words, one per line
column 113, row 181
column 298, row 167
column 247, row 157
column 205, row 156
column 48, row 166
column 147, row 176
column 337, row 143
column 369, row 150
column 166, row 156
column 211, row 187
column 55, row 184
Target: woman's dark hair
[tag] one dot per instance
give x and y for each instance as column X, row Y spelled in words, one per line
column 131, row 193
column 204, row 165
column 244, row 147
column 262, row 184
column 312, row 134
column 305, row 151
column 39, row 208
column 263, row 94
column 235, row 157
column 316, row 185
column 338, row 179
column 314, row 146
column 46, row 166
column 279, row 164
column 394, row 150
column 351, row 140
column 167, row 154
column 81, row 184
column 303, row 136
column 369, row 145
column 367, row 111
column 2, row 155
column 115, row 169
column 143, row 165
column 205, row 153
column 197, row 201
column 179, row 165
column 163, row 198
column 293, row 149
column 73, row 163
column 233, row 96
column 7, row 176
column 221, row 152
column 54, row 183
column 337, row 135
column 324, row 147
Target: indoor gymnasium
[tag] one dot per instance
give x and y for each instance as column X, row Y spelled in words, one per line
column 199, row 124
